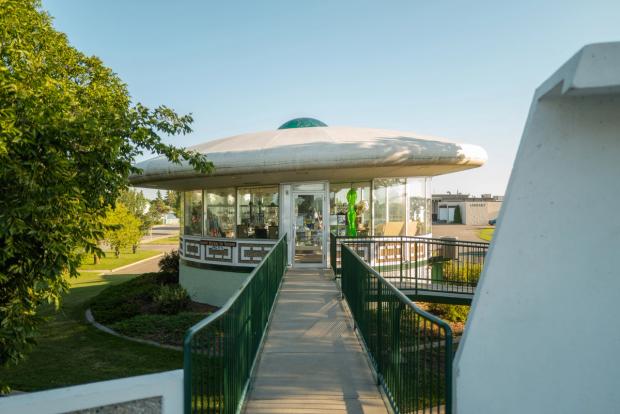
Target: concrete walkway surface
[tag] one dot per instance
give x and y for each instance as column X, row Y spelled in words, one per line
column 312, row 361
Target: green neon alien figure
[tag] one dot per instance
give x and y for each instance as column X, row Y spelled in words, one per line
column 351, row 214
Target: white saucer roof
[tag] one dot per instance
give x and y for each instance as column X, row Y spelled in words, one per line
column 304, row 152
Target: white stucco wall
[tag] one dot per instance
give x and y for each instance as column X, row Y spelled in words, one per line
column 100, row 396
column 478, row 213
column 210, row 286
column 544, row 334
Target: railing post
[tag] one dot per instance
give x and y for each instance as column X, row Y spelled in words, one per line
column 379, row 329
column 402, row 258
column 415, row 253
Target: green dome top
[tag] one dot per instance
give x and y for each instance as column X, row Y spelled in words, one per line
column 302, row 123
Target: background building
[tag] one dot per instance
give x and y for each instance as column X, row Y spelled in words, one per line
column 474, row 211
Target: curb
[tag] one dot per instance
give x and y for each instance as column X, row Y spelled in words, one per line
column 103, row 271
column 133, row 264
column 91, row 319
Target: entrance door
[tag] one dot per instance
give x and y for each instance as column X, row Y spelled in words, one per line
column 308, row 228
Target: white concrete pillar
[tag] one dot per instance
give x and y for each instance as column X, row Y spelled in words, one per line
column 544, row 332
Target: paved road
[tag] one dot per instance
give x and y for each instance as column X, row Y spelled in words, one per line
column 148, row 266
column 160, row 232
column 460, row 231
column 312, row 361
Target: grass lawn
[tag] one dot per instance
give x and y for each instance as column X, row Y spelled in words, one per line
column 111, row 262
column 70, row 351
column 487, row 233
column 166, row 240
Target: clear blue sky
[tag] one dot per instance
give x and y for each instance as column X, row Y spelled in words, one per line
column 462, row 70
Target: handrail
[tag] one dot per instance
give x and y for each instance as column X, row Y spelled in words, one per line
column 401, row 296
column 422, row 266
column 411, row 349
column 221, row 350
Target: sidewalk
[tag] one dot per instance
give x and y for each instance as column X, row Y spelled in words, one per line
column 312, row 361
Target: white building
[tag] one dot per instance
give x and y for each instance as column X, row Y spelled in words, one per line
column 294, row 180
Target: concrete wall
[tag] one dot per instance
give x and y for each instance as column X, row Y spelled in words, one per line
column 543, row 333
column 478, row 213
column 160, row 393
column 210, row 286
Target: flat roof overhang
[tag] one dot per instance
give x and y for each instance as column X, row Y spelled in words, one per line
column 313, row 154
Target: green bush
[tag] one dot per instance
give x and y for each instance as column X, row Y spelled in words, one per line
column 166, row 329
column 167, row 278
column 452, row 313
column 170, row 264
column 125, row 300
column 457, row 215
column 459, row 272
column 170, row 299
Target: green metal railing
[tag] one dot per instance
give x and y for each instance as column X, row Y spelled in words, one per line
column 221, row 350
column 411, row 350
column 418, row 265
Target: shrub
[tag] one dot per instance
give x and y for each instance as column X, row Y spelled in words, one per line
column 170, row 264
column 166, row 329
column 462, row 273
column 167, row 278
column 170, row 300
column 457, row 215
column 452, row 313
column 124, row 300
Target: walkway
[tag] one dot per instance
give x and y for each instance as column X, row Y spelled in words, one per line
column 312, row 361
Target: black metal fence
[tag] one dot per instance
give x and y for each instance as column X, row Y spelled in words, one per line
column 418, row 263
column 219, row 351
column 410, row 349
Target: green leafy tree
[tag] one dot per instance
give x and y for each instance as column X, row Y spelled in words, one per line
column 175, row 203
column 172, row 199
column 457, row 215
column 139, row 206
column 158, row 208
column 122, row 229
column 134, row 201
column 69, row 135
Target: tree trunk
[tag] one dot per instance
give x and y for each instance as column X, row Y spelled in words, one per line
column 95, row 259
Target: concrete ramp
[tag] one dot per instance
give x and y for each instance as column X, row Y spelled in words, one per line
column 312, row 361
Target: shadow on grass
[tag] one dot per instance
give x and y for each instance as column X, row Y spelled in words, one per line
column 70, row 351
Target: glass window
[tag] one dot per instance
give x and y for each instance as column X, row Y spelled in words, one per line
column 258, row 213
column 419, row 206
column 338, row 207
column 181, row 214
column 192, row 206
column 429, row 206
column 221, row 213
column 389, row 206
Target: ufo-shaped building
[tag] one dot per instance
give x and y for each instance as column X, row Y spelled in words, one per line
column 294, row 180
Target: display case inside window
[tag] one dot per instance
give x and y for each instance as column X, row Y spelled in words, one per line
column 258, row 212
column 389, row 206
column 193, row 213
column 220, row 213
column 338, row 207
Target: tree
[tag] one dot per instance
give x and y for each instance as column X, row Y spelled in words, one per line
column 171, row 199
column 139, row 206
column 69, row 134
column 134, row 201
column 122, row 229
column 175, row 202
column 457, row 215
column 158, row 209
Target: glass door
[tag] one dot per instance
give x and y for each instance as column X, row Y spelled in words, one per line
column 308, row 228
